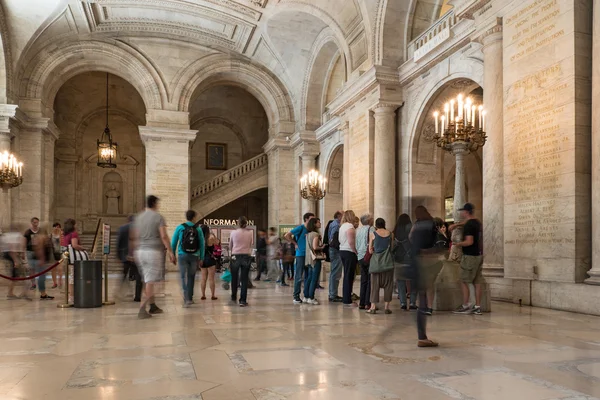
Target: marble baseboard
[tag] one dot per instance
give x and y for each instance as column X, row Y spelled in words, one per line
column 574, row 297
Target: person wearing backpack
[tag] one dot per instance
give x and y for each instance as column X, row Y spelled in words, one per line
column 188, row 244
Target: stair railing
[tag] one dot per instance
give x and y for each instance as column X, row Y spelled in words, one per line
column 230, row 175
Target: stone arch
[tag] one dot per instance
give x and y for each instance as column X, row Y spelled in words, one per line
column 418, row 177
column 335, row 198
column 51, row 68
column 218, row 69
column 316, row 79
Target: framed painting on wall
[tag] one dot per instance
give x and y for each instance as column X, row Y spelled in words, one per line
column 216, row 156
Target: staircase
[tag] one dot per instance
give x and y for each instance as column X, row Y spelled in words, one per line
column 114, row 264
column 232, row 184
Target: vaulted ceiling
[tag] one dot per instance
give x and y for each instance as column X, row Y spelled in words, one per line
column 282, row 36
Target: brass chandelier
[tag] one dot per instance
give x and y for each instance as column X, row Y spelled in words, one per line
column 313, row 186
column 11, row 171
column 107, row 149
column 462, row 122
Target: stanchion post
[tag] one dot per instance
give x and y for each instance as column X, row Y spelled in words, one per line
column 106, row 302
column 66, row 303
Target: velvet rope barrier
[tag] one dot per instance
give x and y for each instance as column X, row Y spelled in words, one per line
column 26, row 278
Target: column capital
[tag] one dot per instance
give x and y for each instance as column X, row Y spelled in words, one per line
column 385, row 108
column 151, row 133
column 492, row 34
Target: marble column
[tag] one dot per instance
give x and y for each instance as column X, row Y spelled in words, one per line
column 385, row 163
column 594, row 273
column 5, row 213
column 7, row 111
column 168, row 170
column 308, row 164
column 493, row 154
column 459, row 150
column 345, row 133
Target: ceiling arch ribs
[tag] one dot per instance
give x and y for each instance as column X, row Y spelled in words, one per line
column 323, row 52
column 221, row 24
column 345, row 22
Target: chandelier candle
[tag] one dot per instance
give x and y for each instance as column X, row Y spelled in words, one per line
column 313, row 186
column 11, row 171
column 467, row 129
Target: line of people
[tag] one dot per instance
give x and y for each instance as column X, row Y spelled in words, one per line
column 409, row 258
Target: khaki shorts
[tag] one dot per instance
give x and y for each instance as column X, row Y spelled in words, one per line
column 470, row 269
column 151, row 263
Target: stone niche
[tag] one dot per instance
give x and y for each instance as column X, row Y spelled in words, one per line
column 547, row 86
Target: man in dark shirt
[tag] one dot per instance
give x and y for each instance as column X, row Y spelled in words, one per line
column 471, row 262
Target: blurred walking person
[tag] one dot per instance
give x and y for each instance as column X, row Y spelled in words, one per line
column 125, row 254
column 13, row 252
column 426, row 258
column 151, row 241
column 57, row 273
column 407, row 290
column 273, row 254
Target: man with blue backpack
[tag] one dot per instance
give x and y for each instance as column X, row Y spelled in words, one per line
column 188, row 244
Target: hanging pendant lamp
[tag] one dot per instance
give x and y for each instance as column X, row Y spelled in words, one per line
column 107, row 149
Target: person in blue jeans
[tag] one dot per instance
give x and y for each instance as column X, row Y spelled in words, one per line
column 313, row 251
column 297, row 236
column 190, row 254
column 335, row 273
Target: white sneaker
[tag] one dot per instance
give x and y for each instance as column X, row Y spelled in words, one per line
column 314, row 302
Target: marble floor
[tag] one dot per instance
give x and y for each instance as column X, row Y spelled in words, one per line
column 274, row 350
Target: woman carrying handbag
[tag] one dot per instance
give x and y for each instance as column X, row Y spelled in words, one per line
column 381, row 266
column 314, row 259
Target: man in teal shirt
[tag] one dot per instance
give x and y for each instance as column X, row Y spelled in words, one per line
column 189, row 247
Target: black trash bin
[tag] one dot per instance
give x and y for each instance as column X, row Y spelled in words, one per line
column 88, row 284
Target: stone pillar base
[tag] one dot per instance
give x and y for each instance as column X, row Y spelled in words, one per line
column 448, row 294
column 594, row 278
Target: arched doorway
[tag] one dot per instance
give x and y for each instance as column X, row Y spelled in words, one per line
column 334, row 200
column 432, row 169
column 83, row 190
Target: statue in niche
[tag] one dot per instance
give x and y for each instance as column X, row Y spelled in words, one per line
column 113, row 200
